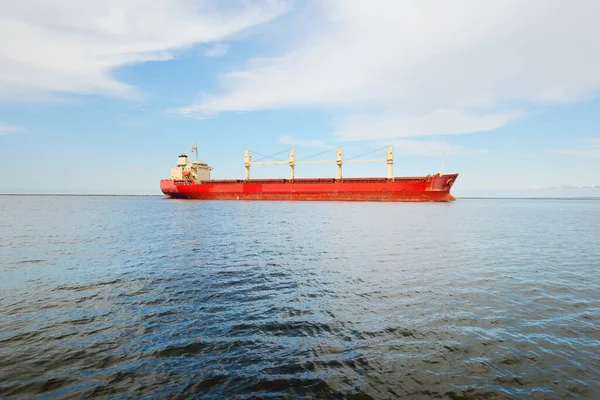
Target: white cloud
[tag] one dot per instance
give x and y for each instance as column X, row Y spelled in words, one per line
column 425, row 67
column 216, row 50
column 8, row 129
column 591, row 149
column 73, row 46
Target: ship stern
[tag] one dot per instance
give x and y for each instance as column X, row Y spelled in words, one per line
column 168, row 187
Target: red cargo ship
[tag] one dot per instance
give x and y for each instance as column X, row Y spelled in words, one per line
column 191, row 180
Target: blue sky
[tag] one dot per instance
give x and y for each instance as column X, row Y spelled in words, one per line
column 101, row 97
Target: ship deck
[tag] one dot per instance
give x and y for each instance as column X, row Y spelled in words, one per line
column 306, row 180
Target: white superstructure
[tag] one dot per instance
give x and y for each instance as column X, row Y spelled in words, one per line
column 196, row 171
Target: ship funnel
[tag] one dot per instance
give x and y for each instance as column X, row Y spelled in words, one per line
column 182, row 160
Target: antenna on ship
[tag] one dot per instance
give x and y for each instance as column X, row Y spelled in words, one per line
column 195, row 149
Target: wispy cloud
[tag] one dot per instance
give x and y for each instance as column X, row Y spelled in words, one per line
column 400, row 125
column 216, row 50
column 289, row 140
column 431, row 148
column 132, row 123
column 584, row 187
column 590, row 149
column 560, row 187
column 418, row 147
column 73, row 46
column 419, row 68
column 541, row 188
column 8, row 129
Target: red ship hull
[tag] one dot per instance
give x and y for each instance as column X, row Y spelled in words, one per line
column 408, row 189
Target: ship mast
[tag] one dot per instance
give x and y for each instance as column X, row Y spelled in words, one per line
column 247, row 163
column 339, row 162
column 292, row 161
column 390, row 161
column 443, row 163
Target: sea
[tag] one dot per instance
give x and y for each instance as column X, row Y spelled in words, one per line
column 119, row 297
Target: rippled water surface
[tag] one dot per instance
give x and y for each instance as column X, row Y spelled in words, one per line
column 132, row 297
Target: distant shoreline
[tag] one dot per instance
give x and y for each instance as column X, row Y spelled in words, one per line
column 162, row 195
column 527, row 198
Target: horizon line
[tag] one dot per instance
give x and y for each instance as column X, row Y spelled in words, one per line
column 163, row 195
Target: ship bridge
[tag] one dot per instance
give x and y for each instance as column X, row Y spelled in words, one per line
column 196, row 171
